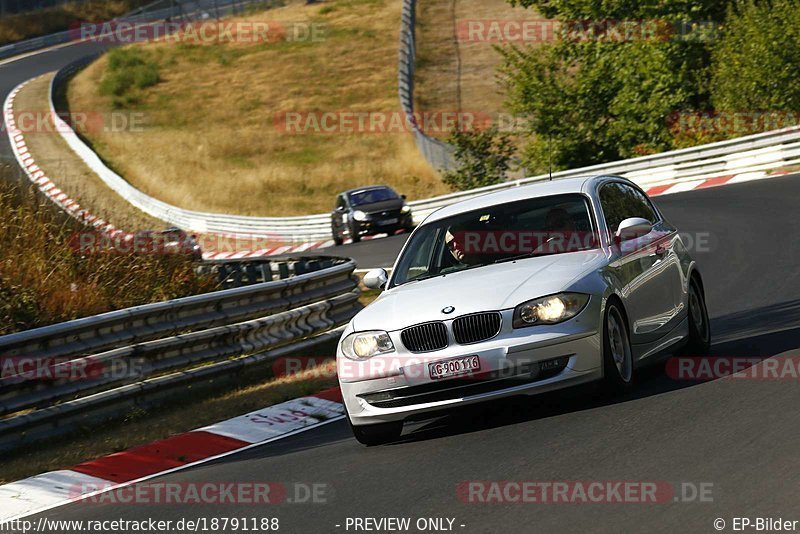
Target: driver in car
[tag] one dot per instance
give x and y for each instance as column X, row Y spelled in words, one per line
column 454, row 239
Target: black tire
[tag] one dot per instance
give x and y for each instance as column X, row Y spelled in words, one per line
column 618, row 375
column 337, row 239
column 699, row 342
column 377, row 434
column 354, row 235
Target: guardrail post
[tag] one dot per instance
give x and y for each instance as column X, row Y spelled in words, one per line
column 266, row 271
column 237, row 274
column 252, row 273
column 222, row 272
column 283, row 270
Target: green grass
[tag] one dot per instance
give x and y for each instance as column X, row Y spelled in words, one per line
column 130, row 70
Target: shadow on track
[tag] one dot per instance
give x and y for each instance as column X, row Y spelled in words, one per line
column 758, row 333
column 761, row 332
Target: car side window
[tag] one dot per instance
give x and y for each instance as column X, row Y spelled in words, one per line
column 418, row 263
column 620, row 201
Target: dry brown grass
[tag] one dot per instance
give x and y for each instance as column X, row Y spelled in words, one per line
column 170, row 420
column 210, row 142
column 67, row 170
column 42, row 281
column 453, row 75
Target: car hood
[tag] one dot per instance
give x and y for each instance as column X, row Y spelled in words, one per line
column 377, row 207
column 493, row 287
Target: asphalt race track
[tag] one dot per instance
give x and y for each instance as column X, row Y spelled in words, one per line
column 740, row 436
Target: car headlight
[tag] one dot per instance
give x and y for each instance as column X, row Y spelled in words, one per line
column 549, row 310
column 359, row 215
column 364, row 345
column 405, row 209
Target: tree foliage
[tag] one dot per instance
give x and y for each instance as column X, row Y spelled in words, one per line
column 756, row 63
column 594, row 97
column 483, row 158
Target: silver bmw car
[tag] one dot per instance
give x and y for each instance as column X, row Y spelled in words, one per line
column 522, row 291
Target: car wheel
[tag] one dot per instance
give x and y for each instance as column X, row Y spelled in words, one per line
column 699, row 328
column 337, row 239
column 354, row 235
column 617, row 354
column 377, row 434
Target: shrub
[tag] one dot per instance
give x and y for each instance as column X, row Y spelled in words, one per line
column 483, row 158
column 599, row 99
column 756, row 61
column 128, row 71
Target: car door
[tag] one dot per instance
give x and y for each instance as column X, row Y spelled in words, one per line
column 647, row 268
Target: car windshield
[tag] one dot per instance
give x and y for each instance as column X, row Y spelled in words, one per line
column 371, row 196
column 532, row 227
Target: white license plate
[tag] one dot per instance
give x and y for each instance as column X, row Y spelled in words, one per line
column 454, row 367
column 387, row 221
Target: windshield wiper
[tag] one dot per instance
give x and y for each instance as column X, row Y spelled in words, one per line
column 432, row 275
column 526, row 255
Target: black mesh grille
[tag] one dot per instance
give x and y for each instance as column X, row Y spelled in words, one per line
column 425, row 337
column 477, row 327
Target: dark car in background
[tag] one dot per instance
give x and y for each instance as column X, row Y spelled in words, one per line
column 368, row 211
column 173, row 240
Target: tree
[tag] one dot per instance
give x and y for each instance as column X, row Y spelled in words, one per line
column 757, row 61
column 593, row 97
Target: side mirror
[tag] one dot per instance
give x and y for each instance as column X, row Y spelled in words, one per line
column 376, row 279
column 403, row 197
column 340, row 209
column 633, row 228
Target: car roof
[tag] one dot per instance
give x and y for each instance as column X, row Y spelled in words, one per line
column 366, row 188
column 559, row 186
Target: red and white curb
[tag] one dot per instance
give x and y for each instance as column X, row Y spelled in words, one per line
column 36, row 175
column 276, row 251
column 50, row 490
column 691, row 185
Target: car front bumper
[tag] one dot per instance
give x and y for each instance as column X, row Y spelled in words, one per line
column 526, row 361
column 377, row 225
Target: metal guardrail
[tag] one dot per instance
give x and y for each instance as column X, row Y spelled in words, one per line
column 159, row 348
column 438, row 153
